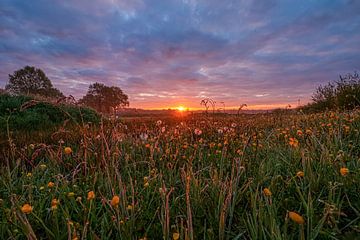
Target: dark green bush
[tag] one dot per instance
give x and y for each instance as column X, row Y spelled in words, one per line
column 343, row 94
column 21, row 114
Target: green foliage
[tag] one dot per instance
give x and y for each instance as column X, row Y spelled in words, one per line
column 104, row 99
column 31, row 81
column 202, row 186
column 24, row 113
column 342, row 94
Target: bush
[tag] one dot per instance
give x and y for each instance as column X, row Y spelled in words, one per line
column 342, row 94
column 23, row 113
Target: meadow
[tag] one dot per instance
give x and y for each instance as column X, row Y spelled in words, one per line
column 261, row 176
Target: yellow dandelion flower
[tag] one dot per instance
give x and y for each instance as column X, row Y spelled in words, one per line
column 296, row 218
column 67, row 150
column 71, row 194
column 90, row 195
column 344, row 171
column 129, row 207
column 54, row 204
column 115, row 201
column 51, row 184
column 300, row 174
column 26, row 208
column 42, row 166
column 293, row 142
column 176, row 236
column 267, row 192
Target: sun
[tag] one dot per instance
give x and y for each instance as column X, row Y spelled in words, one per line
column 181, row 108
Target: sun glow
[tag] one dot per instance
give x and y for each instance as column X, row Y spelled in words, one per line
column 181, row 108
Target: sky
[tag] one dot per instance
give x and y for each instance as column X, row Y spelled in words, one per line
column 167, row 53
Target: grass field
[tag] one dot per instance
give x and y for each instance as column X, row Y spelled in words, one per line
column 270, row 176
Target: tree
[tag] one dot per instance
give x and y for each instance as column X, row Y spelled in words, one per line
column 31, row 81
column 341, row 94
column 104, row 99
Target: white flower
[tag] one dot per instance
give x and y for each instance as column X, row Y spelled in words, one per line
column 163, row 129
column 197, row 131
column 143, row 136
column 233, row 125
column 220, row 131
column 159, row 122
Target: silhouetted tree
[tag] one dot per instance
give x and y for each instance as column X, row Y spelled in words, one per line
column 342, row 94
column 104, row 99
column 31, row 81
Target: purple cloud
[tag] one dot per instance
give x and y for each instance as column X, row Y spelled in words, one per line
column 166, row 53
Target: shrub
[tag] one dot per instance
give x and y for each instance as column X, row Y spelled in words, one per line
column 342, row 94
column 23, row 113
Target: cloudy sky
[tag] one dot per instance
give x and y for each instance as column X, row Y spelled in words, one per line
column 166, row 53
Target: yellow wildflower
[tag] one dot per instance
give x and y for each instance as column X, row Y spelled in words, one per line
column 71, row 194
column 91, row 195
column 51, row 184
column 267, row 192
column 54, row 204
column 115, row 201
column 42, row 166
column 67, row 150
column 344, row 171
column 296, row 218
column 26, row 208
column 300, row 174
column 176, row 236
column 293, row 142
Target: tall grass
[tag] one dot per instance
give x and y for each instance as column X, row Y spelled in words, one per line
column 173, row 180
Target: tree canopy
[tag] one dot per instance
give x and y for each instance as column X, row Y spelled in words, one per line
column 31, row 81
column 341, row 94
column 104, row 99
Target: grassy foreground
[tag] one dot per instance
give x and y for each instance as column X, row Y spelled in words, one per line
column 248, row 177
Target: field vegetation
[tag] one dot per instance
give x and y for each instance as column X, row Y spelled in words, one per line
column 264, row 176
